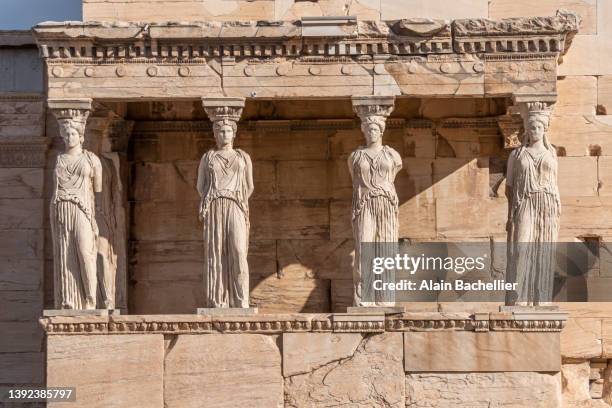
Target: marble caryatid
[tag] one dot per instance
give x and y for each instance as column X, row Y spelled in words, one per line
column 225, row 183
column 534, row 209
column 77, row 180
column 373, row 168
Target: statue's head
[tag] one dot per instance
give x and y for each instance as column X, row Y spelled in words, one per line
column 535, row 127
column 225, row 132
column 536, row 118
column 72, row 131
column 373, row 128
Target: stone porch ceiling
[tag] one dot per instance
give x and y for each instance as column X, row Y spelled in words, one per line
column 311, row 58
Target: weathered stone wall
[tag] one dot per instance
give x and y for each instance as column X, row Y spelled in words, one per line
column 198, row 10
column 581, row 127
column 450, row 189
column 301, row 238
column 22, row 156
column 304, row 360
column 585, row 349
column 586, row 346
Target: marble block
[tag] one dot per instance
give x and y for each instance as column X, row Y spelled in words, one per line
column 226, row 311
column 75, row 312
column 376, row 310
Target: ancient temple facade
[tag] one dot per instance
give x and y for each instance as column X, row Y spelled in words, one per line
column 455, row 83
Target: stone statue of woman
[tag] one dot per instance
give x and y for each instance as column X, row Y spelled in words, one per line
column 373, row 168
column 534, row 210
column 77, row 180
column 225, row 183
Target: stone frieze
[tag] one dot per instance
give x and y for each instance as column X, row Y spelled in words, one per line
column 21, row 152
column 303, row 322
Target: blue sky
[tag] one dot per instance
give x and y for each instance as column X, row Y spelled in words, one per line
column 23, row 14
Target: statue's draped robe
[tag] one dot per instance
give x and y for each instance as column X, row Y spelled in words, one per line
column 74, row 231
column 224, row 211
column 111, row 255
column 535, row 212
column 374, row 218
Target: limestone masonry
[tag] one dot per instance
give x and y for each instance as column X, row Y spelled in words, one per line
column 214, row 152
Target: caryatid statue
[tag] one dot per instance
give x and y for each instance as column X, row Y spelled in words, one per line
column 77, row 180
column 534, row 209
column 373, row 168
column 225, row 183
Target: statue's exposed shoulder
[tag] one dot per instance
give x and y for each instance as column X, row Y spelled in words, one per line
column 397, row 159
column 93, row 158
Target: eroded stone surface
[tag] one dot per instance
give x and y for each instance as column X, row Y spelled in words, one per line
column 575, row 386
column 223, row 370
column 483, row 390
column 484, row 352
column 372, row 376
column 108, row 371
column 582, row 338
column 305, row 352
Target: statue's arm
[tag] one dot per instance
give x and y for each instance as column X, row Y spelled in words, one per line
column 249, row 175
column 350, row 163
column 397, row 160
column 509, row 187
column 97, row 174
column 97, row 188
column 201, row 183
column 97, row 182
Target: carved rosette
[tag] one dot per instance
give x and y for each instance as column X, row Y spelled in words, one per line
column 223, row 109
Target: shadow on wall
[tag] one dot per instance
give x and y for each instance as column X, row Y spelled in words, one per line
column 301, row 245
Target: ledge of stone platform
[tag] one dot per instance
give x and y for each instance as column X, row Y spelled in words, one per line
column 305, row 322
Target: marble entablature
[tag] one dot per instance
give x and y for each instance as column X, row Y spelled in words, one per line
column 312, row 57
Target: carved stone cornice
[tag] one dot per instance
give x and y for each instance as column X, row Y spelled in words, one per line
column 312, row 58
column 521, row 34
column 527, row 325
column 21, row 96
column 266, row 39
column 16, row 38
column 18, row 152
column 358, row 323
column 303, row 322
column 406, row 324
column 564, row 21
